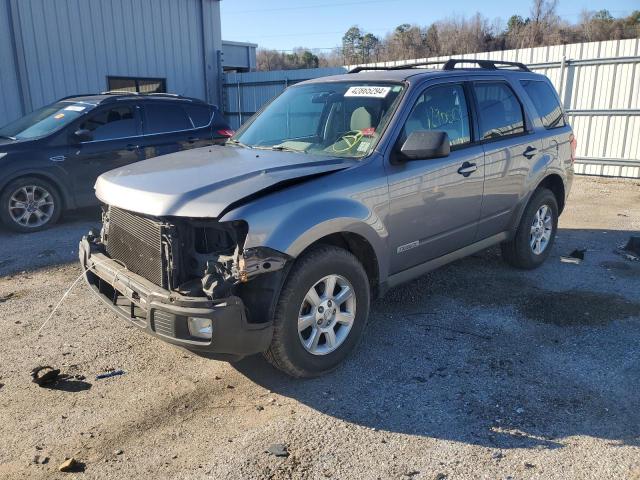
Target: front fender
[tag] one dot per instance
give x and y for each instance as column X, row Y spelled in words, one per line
column 293, row 227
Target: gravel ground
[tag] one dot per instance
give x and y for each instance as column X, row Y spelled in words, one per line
column 474, row 371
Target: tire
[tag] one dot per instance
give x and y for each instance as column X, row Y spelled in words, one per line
column 519, row 251
column 313, row 270
column 18, row 192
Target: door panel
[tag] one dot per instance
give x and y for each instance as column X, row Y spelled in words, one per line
column 435, row 204
column 116, row 136
column 511, row 153
column 506, row 172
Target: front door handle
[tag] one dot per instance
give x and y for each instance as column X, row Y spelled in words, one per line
column 467, row 169
column 192, row 139
column 131, row 147
column 529, row 152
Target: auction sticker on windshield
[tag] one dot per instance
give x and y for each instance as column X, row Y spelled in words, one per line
column 375, row 92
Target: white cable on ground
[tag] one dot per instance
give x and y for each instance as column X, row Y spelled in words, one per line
column 69, row 291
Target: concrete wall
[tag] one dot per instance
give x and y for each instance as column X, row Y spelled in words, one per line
column 65, row 47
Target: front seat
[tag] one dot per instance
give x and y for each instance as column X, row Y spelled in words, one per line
column 361, row 118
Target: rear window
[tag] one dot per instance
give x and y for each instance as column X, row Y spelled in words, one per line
column 546, row 102
column 165, row 118
column 500, row 111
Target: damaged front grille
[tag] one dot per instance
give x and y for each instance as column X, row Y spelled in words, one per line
column 136, row 242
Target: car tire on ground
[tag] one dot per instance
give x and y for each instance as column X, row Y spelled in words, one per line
column 532, row 243
column 315, row 332
column 30, row 204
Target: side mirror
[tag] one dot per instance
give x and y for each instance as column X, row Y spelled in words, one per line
column 426, row 144
column 83, row 135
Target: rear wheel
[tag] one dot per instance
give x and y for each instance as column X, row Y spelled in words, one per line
column 30, row 204
column 536, row 232
column 321, row 313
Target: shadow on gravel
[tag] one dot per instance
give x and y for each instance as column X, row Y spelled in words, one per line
column 68, row 385
column 55, row 246
column 479, row 353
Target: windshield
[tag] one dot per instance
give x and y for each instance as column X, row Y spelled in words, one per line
column 338, row 119
column 44, row 121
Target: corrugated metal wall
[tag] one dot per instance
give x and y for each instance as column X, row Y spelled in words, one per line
column 10, row 104
column 598, row 82
column 66, row 47
column 245, row 93
column 239, row 56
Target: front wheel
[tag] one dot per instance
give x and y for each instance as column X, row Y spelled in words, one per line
column 321, row 312
column 30, row 204
column 536, row 232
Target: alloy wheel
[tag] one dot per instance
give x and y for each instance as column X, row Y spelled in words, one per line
column 31, row 206
column 541, row 229
column 326, row 315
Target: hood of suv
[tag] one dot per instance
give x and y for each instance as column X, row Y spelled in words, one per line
column 205, row 182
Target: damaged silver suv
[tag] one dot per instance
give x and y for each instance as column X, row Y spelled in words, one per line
column 339, row 189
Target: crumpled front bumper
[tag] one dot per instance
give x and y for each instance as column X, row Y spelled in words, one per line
column 163, row 313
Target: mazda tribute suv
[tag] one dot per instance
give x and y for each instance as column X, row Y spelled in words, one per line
column 339, row 189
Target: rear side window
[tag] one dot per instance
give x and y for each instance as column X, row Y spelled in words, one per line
column 546, row 102
column 499, row 110
column 200, row 114
column 112, row 123
column 165, row 118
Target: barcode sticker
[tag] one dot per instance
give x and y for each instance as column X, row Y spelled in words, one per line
column 375, row 92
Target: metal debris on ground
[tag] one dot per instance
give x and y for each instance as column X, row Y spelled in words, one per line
column 113, row 373
column 576, row 257
column 278, row 450
column 45, row 375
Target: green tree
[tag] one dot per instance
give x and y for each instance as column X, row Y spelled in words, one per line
column 351, row 45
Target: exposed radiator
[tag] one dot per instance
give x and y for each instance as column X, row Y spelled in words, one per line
column 136, row 241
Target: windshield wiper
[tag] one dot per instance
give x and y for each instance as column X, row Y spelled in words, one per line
column 283, row 148
column 238, row 143
column 8, row 137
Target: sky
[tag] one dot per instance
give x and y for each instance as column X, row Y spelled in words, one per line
column 283, row 25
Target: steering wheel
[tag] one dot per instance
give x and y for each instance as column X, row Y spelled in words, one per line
column 350, row 138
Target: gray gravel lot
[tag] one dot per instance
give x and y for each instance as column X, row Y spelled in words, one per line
column 474, row 371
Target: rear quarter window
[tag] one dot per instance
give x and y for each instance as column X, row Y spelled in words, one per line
column 200, row 114
column 546, row 103
column 165, row 118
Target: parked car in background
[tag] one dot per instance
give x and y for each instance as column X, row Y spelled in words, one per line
column 339, row 189
column 50, row 159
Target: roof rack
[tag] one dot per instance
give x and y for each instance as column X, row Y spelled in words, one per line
column 142, row 94
column 485, row 64
column 448, row 65
column 119, row 92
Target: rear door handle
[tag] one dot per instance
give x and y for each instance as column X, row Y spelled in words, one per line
column 529, row 152
column 467, row 169
column 131, row 147
column 192, row 139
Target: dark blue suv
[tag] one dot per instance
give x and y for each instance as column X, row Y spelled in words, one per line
column 50, row 159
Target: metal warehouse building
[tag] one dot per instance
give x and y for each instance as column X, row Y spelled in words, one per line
column 53, row 48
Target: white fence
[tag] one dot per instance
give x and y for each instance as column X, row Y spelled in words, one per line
column 598, row 83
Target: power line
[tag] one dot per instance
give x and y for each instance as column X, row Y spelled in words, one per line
column 304, row 7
